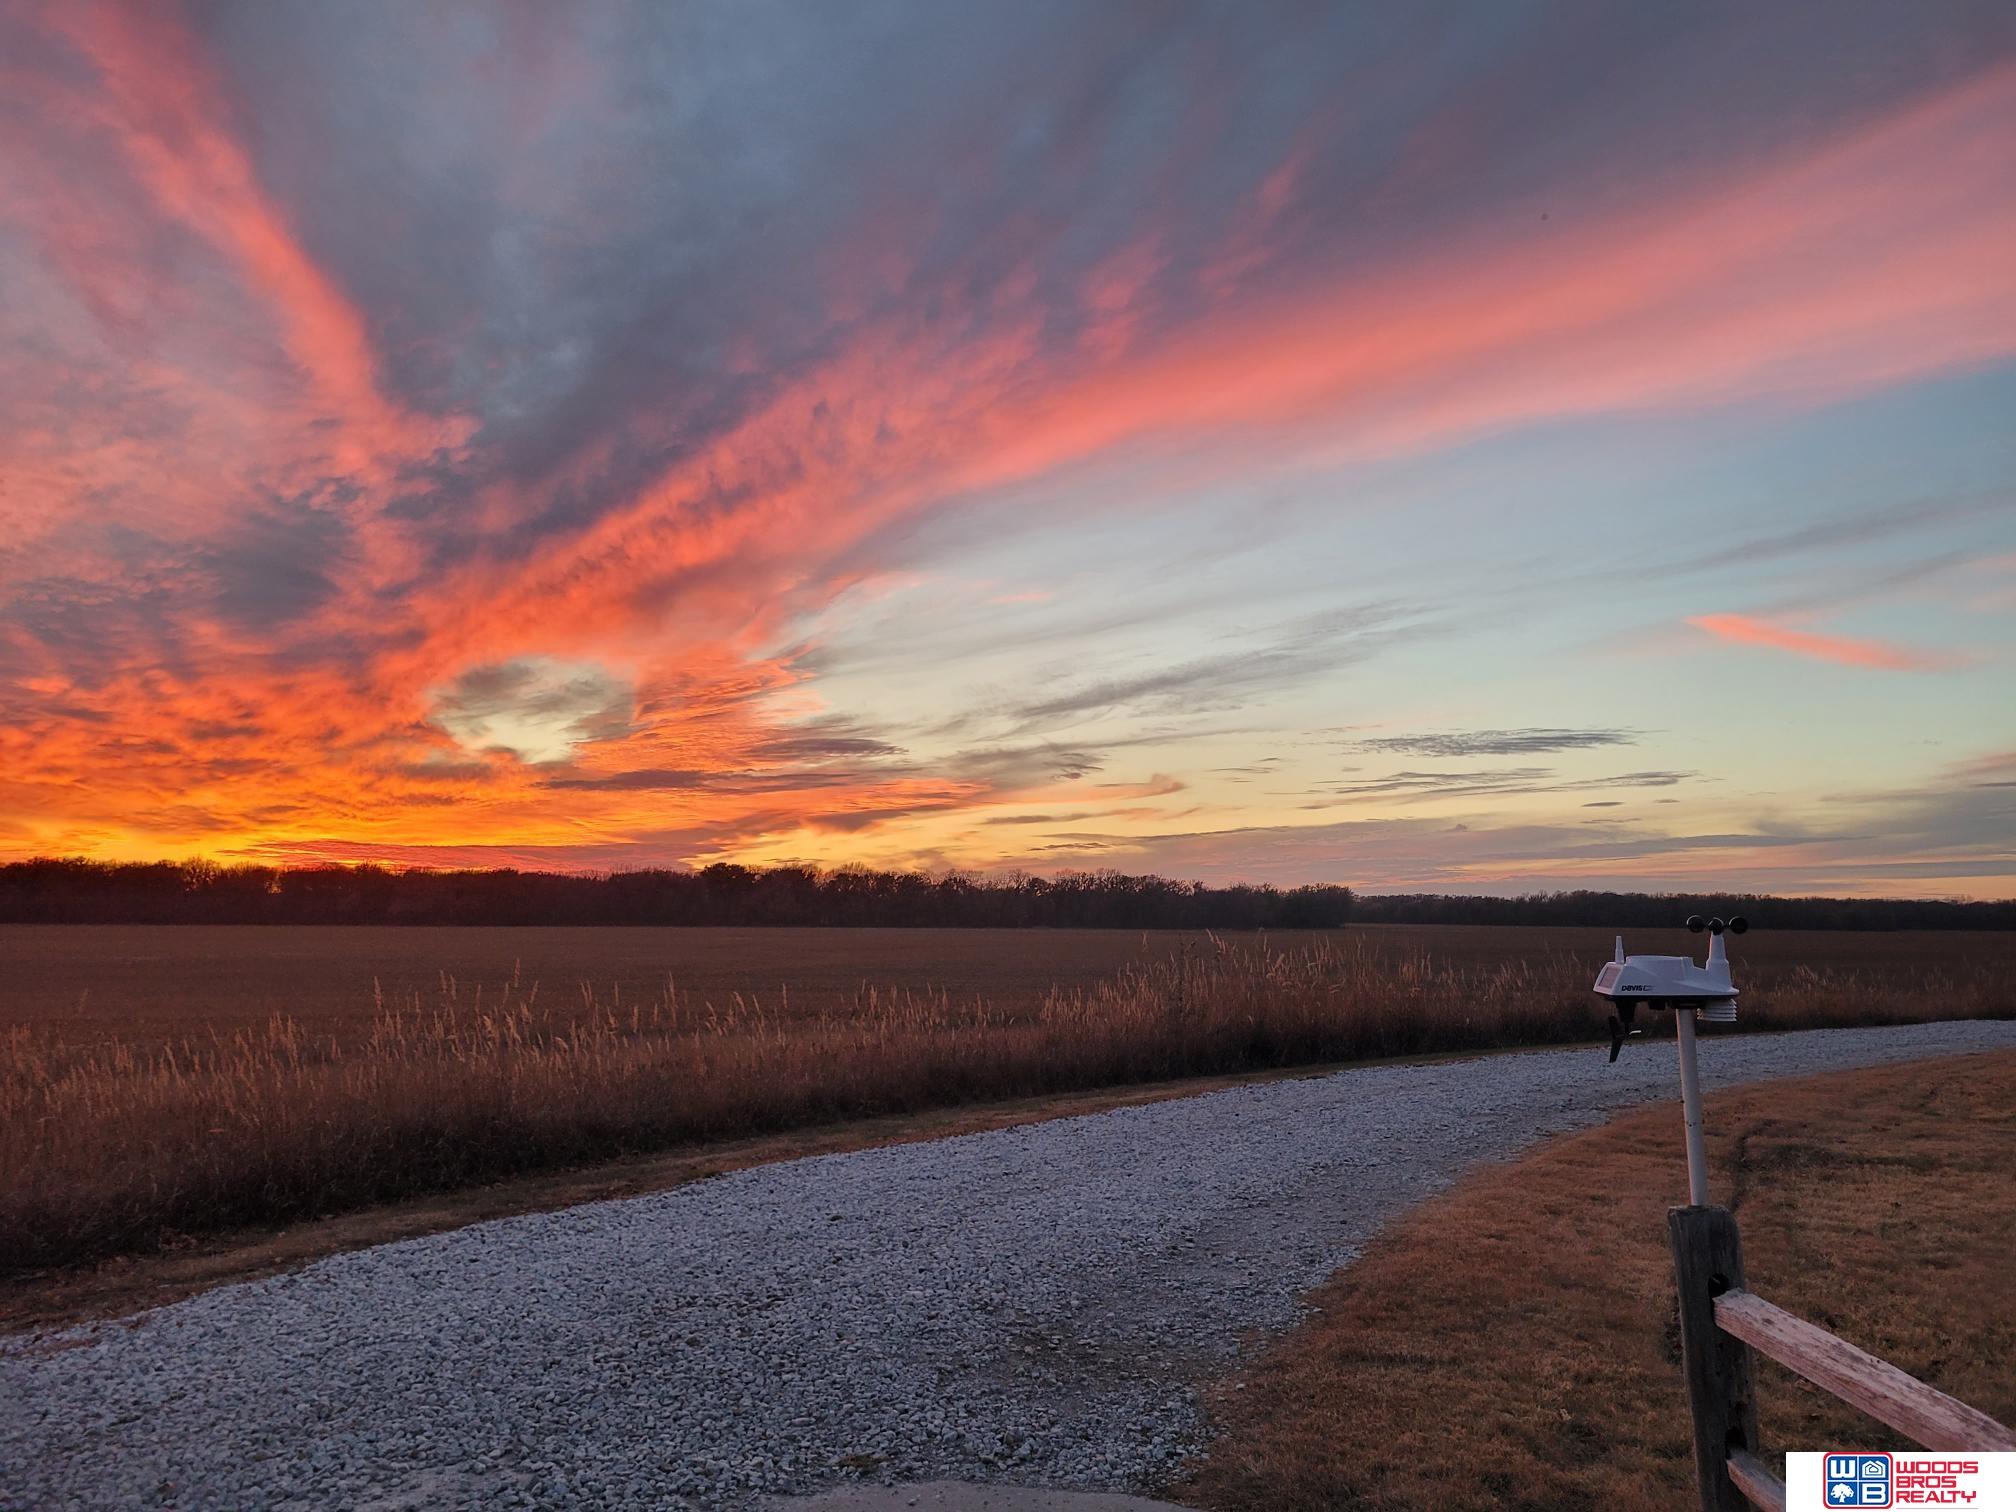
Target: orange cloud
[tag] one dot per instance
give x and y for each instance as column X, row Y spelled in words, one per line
column 1879, row 258
column 158, row 101
column 1841, row 649
column 1874, row 260
column 1750, row 290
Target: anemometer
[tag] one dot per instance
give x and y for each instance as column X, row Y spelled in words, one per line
column 1659, row 981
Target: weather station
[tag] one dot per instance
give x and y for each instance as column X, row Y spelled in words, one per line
column 1631, row 982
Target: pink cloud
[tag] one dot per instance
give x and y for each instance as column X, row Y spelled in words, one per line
column 1843, row 650
column 1873, row 260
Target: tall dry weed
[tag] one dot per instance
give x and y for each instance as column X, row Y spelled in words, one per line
column 109, row 1149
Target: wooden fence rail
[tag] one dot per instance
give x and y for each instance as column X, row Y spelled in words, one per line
column 1721, row 1322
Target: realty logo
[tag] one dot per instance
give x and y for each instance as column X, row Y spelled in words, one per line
column 1856, row 1480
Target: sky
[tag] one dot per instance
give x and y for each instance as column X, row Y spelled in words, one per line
column 1483, row 448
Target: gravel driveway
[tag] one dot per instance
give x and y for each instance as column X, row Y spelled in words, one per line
column 1029, row 1304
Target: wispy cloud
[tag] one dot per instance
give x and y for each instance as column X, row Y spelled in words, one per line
column 1842, row 650
column 1526, row 742
column 1860, row 843
column 1998, row 769
column 1306, row 648
column 1501, row 782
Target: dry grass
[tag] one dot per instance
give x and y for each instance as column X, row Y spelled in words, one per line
column 152, row 984
column 126, row 1284
column 112, row 1148
column 1513, row 1344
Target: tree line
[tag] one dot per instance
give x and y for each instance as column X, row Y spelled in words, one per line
column 1623, row 910
column 204, row 892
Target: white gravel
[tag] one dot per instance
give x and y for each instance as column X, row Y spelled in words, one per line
column 1028, row 1305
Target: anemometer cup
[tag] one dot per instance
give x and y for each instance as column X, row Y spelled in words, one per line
column 1736, row 924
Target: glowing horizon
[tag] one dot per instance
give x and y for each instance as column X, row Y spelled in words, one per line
column 1295, row 447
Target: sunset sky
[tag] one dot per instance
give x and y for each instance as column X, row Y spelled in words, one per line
column 1477, row 448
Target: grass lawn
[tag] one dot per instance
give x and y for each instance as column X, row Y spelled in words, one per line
column 1514, row 1342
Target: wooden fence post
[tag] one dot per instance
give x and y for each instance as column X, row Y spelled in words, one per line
column 1707, row 1261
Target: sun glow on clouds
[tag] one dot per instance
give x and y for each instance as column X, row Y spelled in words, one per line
column 268, row 595
column 536, row 708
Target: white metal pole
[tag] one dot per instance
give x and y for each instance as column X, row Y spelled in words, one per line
column 1690, row 1102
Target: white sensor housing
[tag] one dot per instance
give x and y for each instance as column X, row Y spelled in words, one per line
column 1663, row 981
